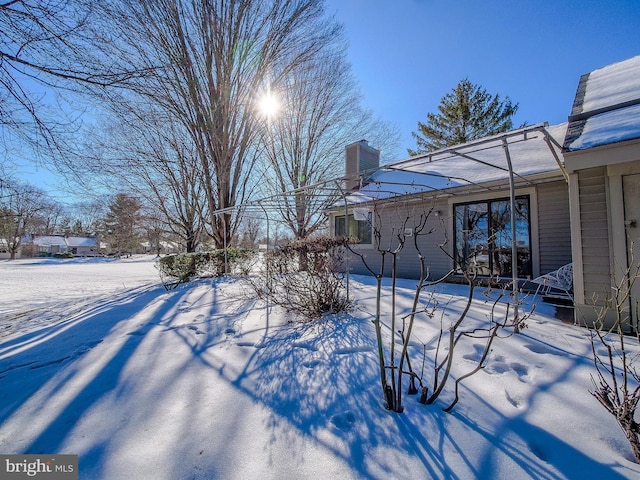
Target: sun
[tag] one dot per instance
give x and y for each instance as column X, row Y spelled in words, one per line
column 269, row 105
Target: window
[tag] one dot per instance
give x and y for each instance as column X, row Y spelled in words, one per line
column 483, row 237
column 360, row 229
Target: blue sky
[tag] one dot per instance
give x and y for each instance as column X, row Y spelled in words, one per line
column 407, row 54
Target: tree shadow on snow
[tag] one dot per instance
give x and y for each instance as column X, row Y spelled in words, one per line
column 44, row 374
column 320, row 377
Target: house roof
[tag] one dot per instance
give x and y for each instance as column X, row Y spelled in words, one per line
column 606, row 108
column 49, row 241
column 63, row 241
column 531, row 150
column 81, row 241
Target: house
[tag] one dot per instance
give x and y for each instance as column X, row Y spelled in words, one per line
column 575, row 189
column 164, row 247
column 49, row 245
column 602, row 158
column 82, row 246
column 467, row 192
column 45, row 245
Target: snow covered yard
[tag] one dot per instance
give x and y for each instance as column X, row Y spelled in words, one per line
column 97, row 359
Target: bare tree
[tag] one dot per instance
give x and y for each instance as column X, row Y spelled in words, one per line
column 150, row 155
column 48, row 219
column 320, row 114
column 250, row 231
column 20, row 203
column 154, row 227
column 86, row 216
column 216, row 58
column 46, row 45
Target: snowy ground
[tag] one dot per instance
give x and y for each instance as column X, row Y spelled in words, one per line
column 97, row 359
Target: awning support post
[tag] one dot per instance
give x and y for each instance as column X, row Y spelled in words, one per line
column 514, row 242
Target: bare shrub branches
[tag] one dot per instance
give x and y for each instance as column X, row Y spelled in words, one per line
column 304, row 276
column 393, row 367
column 616, row 384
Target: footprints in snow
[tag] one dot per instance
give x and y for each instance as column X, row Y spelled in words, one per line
column 343, row 421
column 499, row 366
column 238, row 339
column 195, row 329
column 541, row 348
column 311, row 364
column 356, row 349
column 514, row 400
column 184, row 306
column 81, row 350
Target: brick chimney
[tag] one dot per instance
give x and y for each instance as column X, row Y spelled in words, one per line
column 361, row 161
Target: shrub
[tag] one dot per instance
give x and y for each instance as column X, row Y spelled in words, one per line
column 304, row 276
column 179, row 268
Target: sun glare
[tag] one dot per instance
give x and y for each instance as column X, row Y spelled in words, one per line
column 269, row 105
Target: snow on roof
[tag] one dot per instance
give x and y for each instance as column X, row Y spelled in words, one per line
column 49, row 240
column 464, row 165
column 606, row 109
column 606, row 128
column 612, row 85
column 62, row 241
column 81, row 241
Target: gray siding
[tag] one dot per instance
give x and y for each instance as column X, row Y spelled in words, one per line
column 594, row 231
column 554, row 233
column 394, row 218
column 554, row 226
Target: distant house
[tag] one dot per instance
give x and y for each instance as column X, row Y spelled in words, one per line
column 165, row 247
column 50, row 245
column 467, row 191
column 82, row 246
column 602, row 156
column 43, row 245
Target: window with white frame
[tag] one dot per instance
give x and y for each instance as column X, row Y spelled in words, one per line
column 482, row 232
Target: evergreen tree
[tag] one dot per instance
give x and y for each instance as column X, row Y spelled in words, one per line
column 122, row 224
column 467, row 113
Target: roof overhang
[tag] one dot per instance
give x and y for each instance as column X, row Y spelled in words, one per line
column 512, row 159
column 604, row 155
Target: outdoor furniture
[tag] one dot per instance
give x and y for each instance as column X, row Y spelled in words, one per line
column 557, row 284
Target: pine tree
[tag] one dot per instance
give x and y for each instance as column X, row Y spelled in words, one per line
column 122, row 224
column 467, row 113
